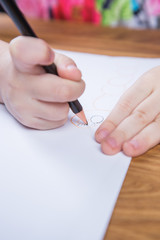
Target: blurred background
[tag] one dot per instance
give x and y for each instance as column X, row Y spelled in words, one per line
column 139, row 14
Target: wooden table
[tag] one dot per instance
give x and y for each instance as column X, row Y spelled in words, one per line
column 137, row 212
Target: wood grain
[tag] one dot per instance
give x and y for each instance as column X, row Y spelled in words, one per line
column 137, row 211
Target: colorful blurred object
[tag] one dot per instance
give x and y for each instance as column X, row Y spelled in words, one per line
column 130, row 13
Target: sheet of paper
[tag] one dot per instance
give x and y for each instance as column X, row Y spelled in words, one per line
column 57, row 184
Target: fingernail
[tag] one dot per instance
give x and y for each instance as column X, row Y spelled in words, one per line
column 134, row 144
column 102, row 134
column 111, row 142
column 71, row 67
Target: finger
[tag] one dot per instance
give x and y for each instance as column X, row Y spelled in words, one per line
column 51, row 88
column 127, row 103
column 43, row 124
column 29, row 53
column 50, row 111
column 144, row 114
column 49, row 115
column 146, row 139
column 67, row 68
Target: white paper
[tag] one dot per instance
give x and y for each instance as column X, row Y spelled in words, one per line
column 57, row 185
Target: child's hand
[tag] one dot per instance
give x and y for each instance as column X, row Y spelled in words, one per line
column 134, row 124
column 37, row 99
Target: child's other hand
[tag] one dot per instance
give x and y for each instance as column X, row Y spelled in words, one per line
column 134, row 124
column 37, row 99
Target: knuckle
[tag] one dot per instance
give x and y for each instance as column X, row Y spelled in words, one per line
column 141, row 116
column 125, row 105
column 110, row 124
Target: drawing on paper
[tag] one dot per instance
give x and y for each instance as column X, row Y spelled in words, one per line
column 107, row 98
column 94, row 118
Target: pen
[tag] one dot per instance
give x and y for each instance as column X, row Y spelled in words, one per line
column 24, row 28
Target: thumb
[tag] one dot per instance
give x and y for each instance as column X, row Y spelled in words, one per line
column 29, row 54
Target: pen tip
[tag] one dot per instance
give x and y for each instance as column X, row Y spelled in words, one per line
column 82, row 116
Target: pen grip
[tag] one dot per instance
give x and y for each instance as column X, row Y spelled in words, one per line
column 24, row 28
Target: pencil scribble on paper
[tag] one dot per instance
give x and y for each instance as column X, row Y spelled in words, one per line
column 94, row 119
column 107, row 97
